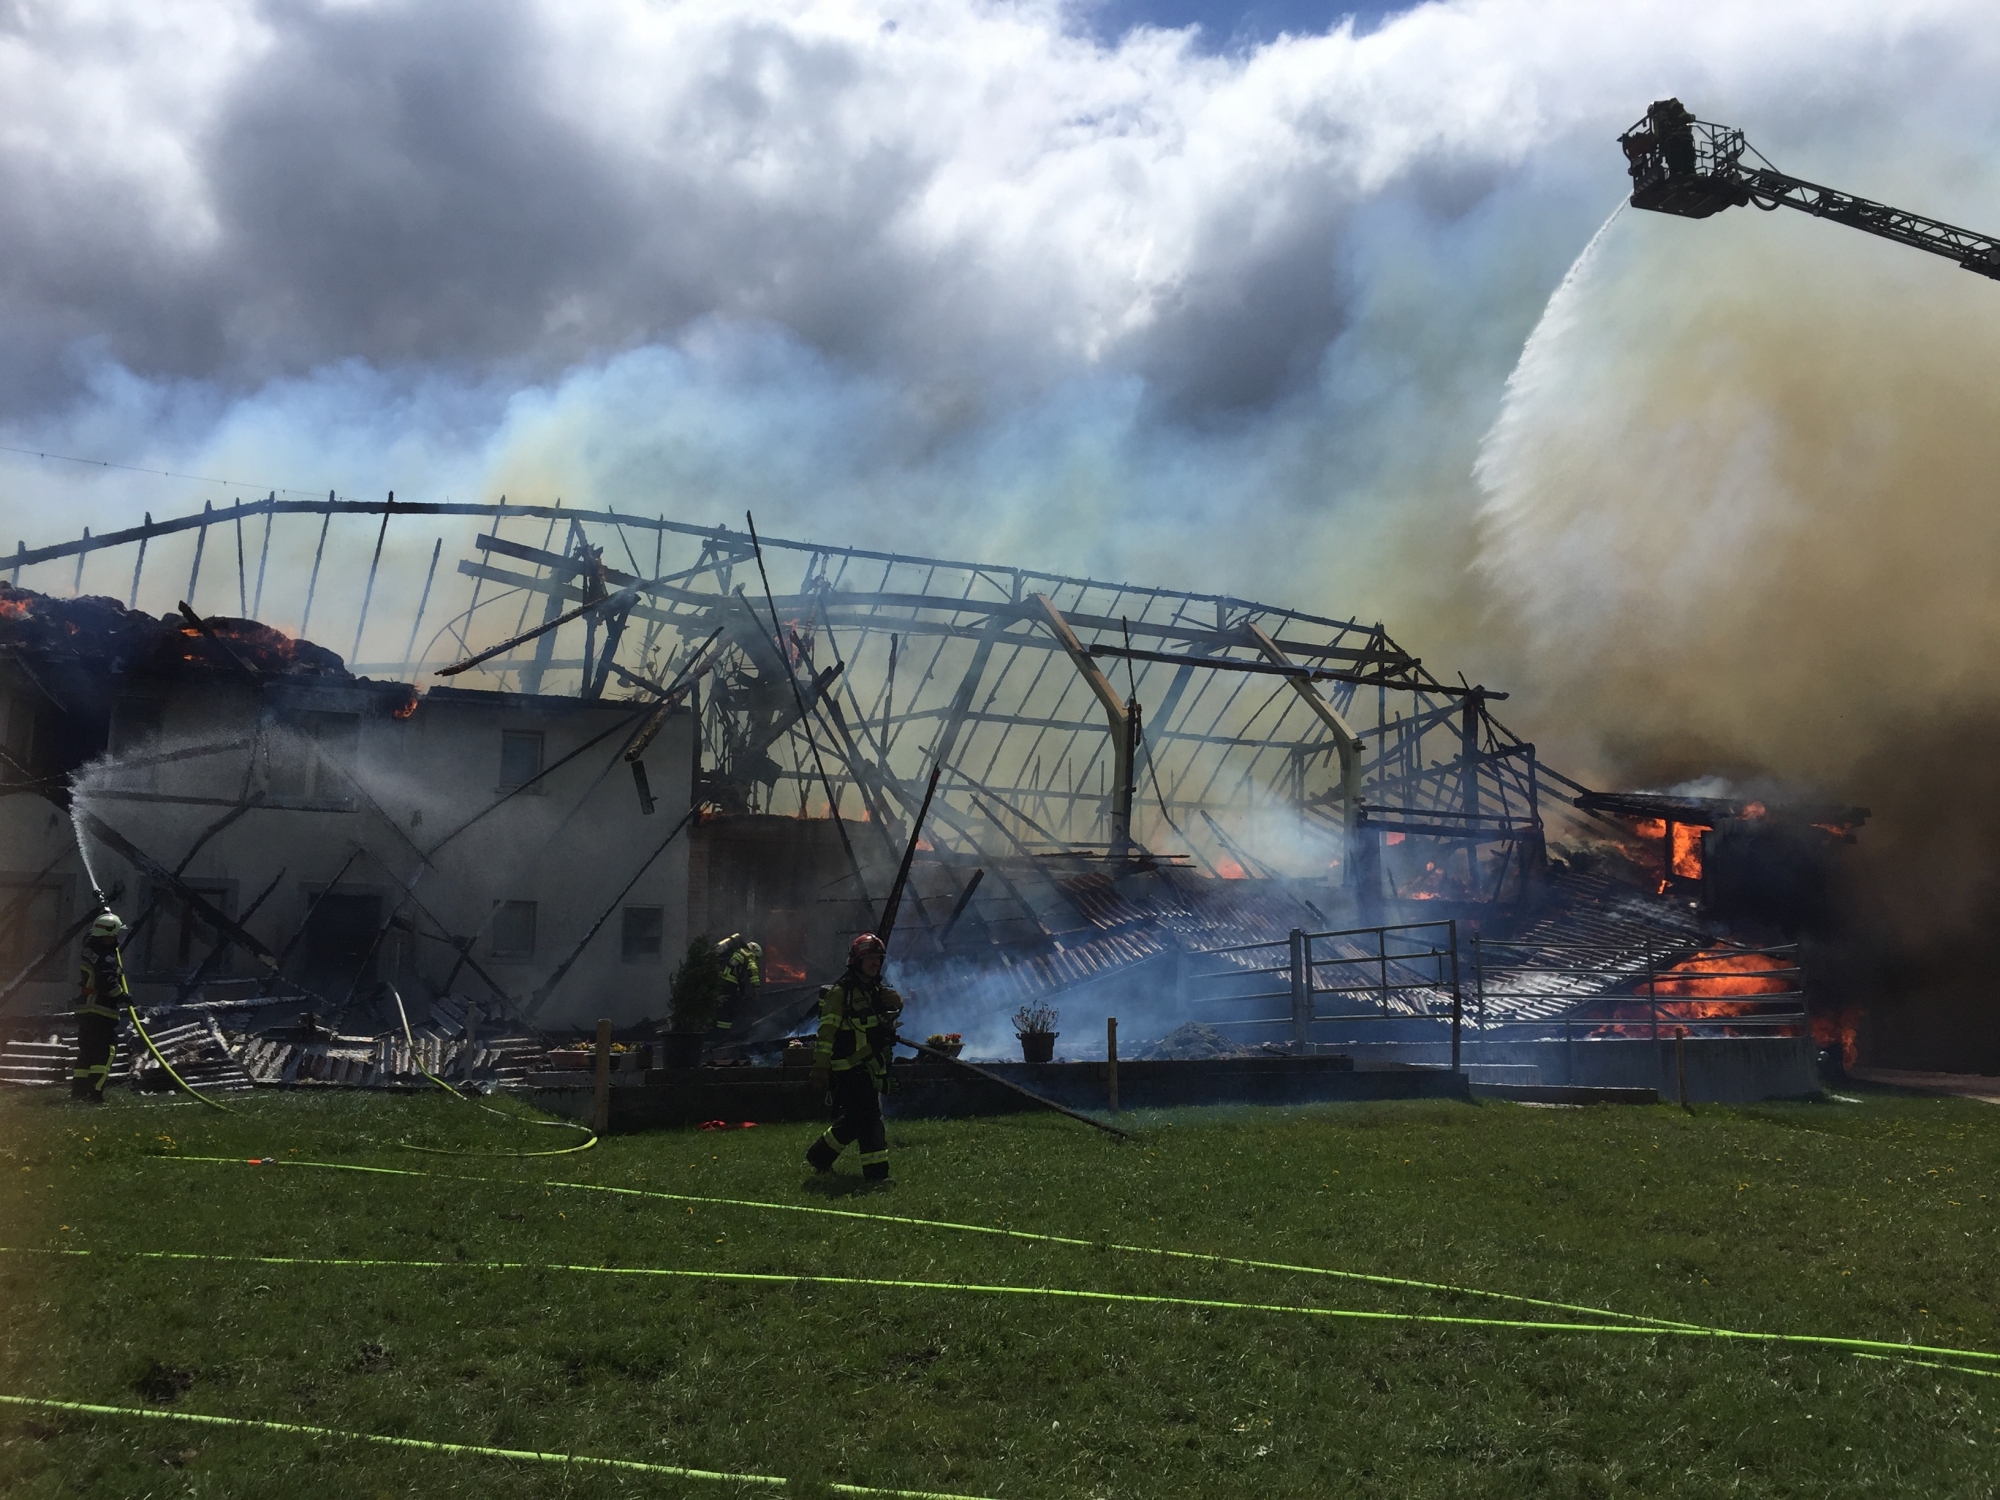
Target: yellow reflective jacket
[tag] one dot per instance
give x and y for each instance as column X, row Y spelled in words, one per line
column 742, row 971
column 101, row 980
column 857, row 1025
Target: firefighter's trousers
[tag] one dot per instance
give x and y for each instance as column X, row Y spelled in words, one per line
column 857, row 1118
column 96, row 1037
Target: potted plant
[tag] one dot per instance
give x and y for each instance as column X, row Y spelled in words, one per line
column 950, row 1043
column 693, row 996
column 1035, row 1025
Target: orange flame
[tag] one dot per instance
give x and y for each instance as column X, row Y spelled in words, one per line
column 1687, row 851
column 1228, row 869
column 1651, row 828
column 1838, row 1029
column 1718, row 973
column 14, row 609
column 778, row 969
column 407, row 707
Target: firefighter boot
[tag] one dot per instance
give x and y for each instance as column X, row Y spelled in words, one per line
column 875, row 1166
column 823, row 1153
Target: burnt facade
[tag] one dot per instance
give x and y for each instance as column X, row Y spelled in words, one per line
column 295, row 834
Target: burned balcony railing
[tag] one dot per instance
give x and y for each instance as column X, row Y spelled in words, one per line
column 1400, row 971
column 1538, row 991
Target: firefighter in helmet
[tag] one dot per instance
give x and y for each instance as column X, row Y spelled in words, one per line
column 101, row 988
column 857, row 1034
column 742, row 976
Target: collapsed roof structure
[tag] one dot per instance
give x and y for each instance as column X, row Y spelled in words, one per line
column 1124, row 772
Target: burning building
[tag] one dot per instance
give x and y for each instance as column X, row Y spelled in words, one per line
column 1147, row 799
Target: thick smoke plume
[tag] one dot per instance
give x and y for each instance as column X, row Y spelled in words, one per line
column 1740, row 519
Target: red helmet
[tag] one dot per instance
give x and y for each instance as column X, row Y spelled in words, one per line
column 864, row 945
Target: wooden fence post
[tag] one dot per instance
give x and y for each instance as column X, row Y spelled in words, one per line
column 1111, row 1060
column 600, row 1108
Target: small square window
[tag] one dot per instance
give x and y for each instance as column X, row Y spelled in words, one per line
column 513, row 931
column 644, row 929
column 520, row 757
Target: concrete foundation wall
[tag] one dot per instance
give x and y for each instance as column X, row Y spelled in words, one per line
column 1720, row 1070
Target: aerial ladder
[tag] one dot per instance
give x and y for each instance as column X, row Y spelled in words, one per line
column 1681, row 165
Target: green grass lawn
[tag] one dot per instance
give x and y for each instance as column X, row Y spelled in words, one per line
column 1874, row 1220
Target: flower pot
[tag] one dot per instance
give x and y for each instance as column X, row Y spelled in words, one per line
column 1038, row 1046
column 680, row 1049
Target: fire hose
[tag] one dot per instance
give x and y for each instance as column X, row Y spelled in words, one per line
column 1012, row 1087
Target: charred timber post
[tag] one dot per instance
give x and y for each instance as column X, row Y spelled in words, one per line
column 1114, row 710
column 1111, row 1061
column 1362, row 860
column 138, row 565
column 312, row 583
column 529, row 678
column 200, row 544
column 600, row 1094
column 242, row 574
column 1302, row 1002
column 368, row 593
column 1457, row 998
column 804, row 720
column 959, row 906
column 886, row 928
column 410, row 649
column 263, row 557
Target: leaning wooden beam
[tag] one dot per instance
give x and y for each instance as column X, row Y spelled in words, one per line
column 556, row 975
column 528, row 635
column 1310, row 674
column 63, row 940
column 1115, row 712
column 1015, row 1088
column 140, row 860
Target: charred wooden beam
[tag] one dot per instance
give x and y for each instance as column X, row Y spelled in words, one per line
column 1270, row 668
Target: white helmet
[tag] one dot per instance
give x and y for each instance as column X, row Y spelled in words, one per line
column 755, row 950
column 107, row 925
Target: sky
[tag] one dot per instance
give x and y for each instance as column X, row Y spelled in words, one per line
column 1255, row 299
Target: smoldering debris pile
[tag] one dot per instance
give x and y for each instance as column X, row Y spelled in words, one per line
column 94, row 632
column 209, row 1058
column 1195, row 1042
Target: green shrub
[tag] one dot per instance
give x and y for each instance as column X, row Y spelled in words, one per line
column 696, row 990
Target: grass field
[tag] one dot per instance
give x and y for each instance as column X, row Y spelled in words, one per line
column 1874, row 1219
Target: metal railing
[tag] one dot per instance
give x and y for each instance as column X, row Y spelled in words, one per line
column 1652, row 992
column 1411, row 973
